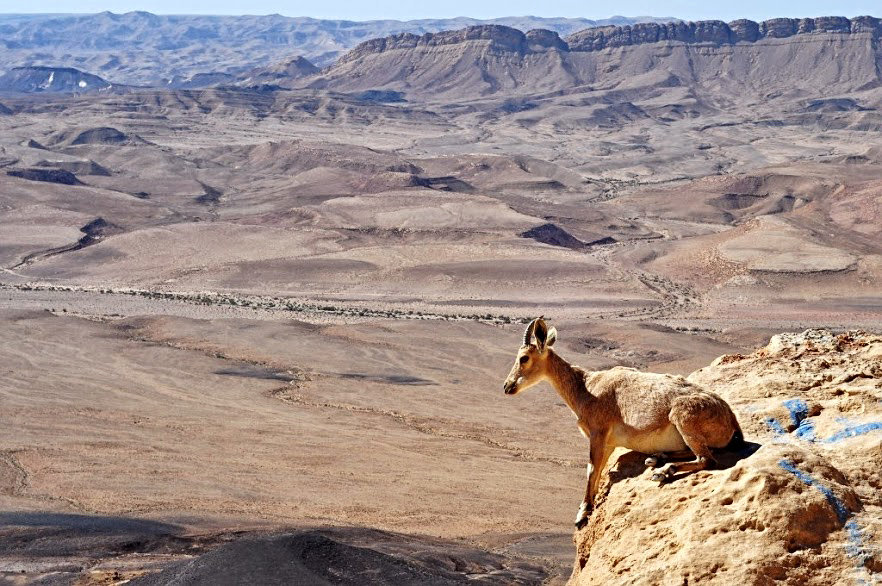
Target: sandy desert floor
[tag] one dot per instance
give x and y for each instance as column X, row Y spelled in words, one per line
column 297, row 310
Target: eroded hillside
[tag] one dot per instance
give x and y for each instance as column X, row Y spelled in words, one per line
column 261, row 308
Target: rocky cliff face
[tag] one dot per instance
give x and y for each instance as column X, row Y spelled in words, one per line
column 802, row 505
column 501, row 37
column 715, row 32
column 836, row 54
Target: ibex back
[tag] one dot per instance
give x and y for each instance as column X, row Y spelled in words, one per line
column 622, row 407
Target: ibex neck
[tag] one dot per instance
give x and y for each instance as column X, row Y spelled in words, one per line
column 569, row 382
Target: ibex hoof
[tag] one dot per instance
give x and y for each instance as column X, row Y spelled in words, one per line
column 651, row 462
column 582, row 516
column 661, row 476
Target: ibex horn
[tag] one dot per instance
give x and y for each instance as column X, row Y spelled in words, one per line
column 528, row 334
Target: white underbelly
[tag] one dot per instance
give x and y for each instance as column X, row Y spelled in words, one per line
column 667, row 439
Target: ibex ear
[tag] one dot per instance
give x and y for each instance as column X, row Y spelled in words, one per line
column 552, row 337
column 541, row 333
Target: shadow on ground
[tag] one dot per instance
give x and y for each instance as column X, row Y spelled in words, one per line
column 633, row 464
column 62, row 548
column 37, row 534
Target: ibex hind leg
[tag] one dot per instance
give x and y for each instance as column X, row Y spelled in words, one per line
column 659, row 459
column 698, row 424
column 704, row 458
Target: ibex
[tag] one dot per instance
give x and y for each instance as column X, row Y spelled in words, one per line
column 650, row 413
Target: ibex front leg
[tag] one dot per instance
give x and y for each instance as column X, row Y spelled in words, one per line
column 599, row 454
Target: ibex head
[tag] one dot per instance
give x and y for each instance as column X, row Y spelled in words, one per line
column 530, row 366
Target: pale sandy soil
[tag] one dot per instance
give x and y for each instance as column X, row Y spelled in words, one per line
column 398, row 234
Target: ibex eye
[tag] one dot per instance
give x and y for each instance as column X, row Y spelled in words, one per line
column 524, row 359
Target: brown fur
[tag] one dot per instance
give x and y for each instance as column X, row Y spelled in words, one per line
column 623, row 407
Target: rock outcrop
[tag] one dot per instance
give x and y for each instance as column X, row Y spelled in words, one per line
column 101, row 135
column 46, row 175
column 800, row 505
column 291, row 69
column 51, row 79
column 555, row 236
column 202, row 80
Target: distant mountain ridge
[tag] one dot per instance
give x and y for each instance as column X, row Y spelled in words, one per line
column 835, row 54
column 603, row 37
column 140, row 48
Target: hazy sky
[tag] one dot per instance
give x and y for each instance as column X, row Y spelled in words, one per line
column 412, row 9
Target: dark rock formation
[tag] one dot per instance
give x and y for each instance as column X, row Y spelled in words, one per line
column 97, row 230
column 324, row 558
column 51, row 79
column 555, row 236
column 380, row 96
column 47, row 175
column 85, row 167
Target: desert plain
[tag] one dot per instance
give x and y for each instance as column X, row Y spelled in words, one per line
column 257, row 312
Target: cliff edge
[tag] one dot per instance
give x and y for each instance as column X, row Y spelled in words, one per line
column 801, row 504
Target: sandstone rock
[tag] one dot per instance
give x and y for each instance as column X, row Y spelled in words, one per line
column 804, row 508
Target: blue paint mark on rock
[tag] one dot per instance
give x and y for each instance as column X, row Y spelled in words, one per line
column 842, row 511
column 855, row 546
column 806, row 431
column 775, row 426
column 852, row 430
column 805, row 428
column 798, row 410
